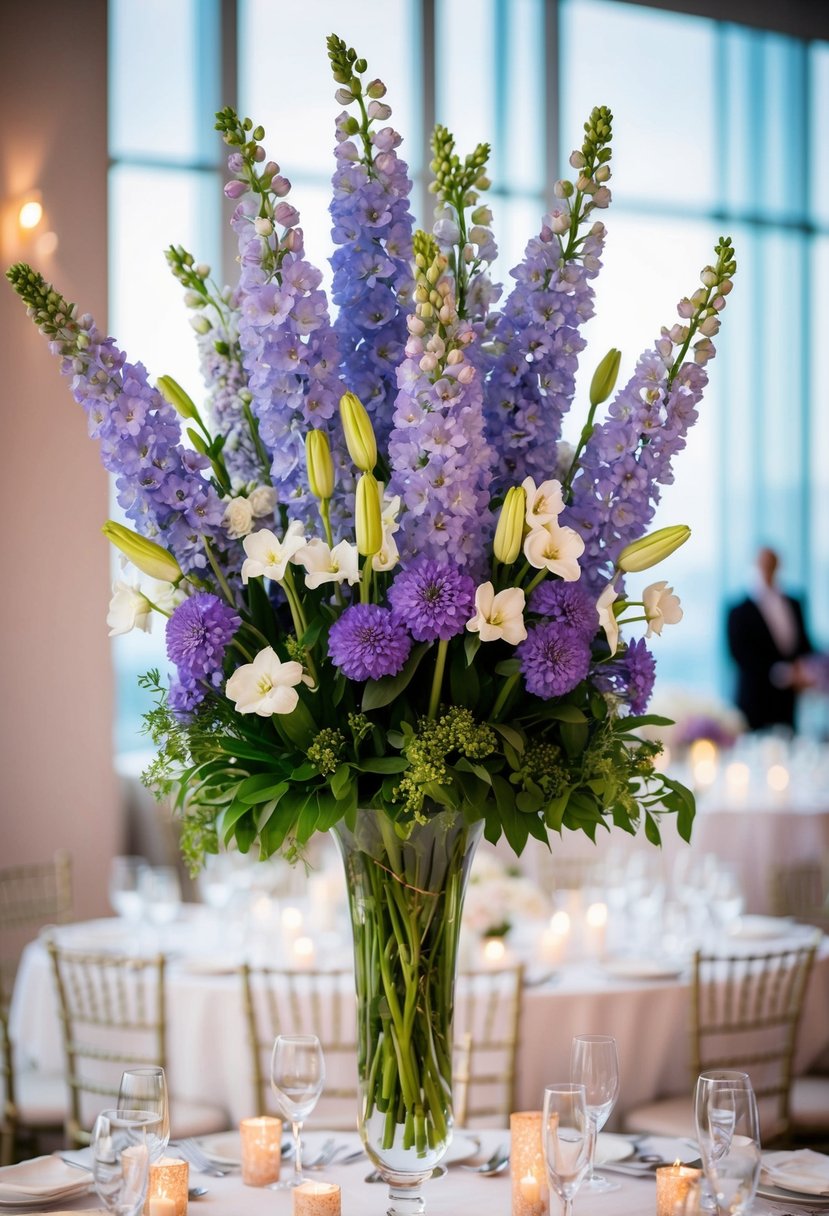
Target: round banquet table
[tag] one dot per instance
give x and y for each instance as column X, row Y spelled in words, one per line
column 208, row 1054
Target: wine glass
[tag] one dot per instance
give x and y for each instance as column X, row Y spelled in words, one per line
column 569, row 1133
column 146, row 1089
column 728, row 1132
column 121, row 1144
column 594, row 1063
column 125, row 895
column 297, row 1080
column 160, row 891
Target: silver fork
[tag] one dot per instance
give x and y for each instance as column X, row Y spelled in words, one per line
column 191, row 1152
column 323, row 1157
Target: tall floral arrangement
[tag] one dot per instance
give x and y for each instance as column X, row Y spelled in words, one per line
column 388, row 583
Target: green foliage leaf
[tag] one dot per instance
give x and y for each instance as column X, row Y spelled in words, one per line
column 383, row 764
column 508, row 667
column 378, row 693
column 471, row 644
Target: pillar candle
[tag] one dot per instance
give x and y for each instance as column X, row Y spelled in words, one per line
column 529, row 1176
column 317, row 1199
column 673, row 1182
column 261, row 1150
column 167, row 1188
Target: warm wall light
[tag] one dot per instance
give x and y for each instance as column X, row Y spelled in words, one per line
column 30, row 213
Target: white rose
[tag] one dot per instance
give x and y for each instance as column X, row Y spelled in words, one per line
column 262, row 501
column 238, row 517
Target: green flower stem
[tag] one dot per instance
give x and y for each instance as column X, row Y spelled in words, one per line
column 437, row 678
column 220, row 578
column 539, row 578
column 261, row 451
column 298, row 616
column 504, row 695
column 325, row 516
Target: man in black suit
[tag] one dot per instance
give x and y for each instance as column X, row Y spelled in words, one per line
column 767, row 639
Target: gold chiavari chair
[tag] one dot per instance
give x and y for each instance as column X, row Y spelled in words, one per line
column 281, row 1001
column 487, row 1013
column 745, row 1013
column 801, row 889
column 113, row 1017
column 31, row 896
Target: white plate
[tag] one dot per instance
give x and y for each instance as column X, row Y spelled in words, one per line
column 610, row 1147
column 761, row 927
column 41, row 1178
column 222, row 1148
column 641, row 969
column 462, row 1148
column 776, row 1194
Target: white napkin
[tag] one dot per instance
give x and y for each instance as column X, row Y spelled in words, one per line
column 804, row 1171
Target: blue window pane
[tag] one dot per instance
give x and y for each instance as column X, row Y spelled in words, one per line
column 285, row 80
column 519, row 143
column 515, row 220
column 817, row 559
column 164, row 67
column 658, row 77
column 466, row 71
column 819, row 109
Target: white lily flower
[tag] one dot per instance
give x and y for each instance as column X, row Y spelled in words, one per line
column 267, row 555
column 544, row 503
column 128, row 609
column 323, row 565
column 238, row 517
column 661, row 606
column 266, row 686
column 556, row 549
column 390, row 511
column 498, row 616
column 163, row 596
column 607, row 617
column 388, row 555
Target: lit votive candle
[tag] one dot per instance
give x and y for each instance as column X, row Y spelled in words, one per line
column 595, row 929
column 673, row 1182
column 303, row 951
column 777, row 779
column 494, row 951
column 737, row 780
column 530, row 1195
column 317, row 1199
column 167, row 1188
column 261, row 1150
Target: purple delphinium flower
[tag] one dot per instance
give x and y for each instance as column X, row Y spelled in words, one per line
column 368, row 642
column 568, row 603
column 554, row 659
column 372, row 229
column 434, row 599
column 640, row 673
column 184, row 697
column 198, row 634
column 532, row 381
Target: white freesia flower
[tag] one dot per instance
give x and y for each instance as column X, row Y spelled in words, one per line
column 544, row 503
column 661, row 606
column 556, row 549
column 163, row 596
column 128, row 609
column 238, row 517
column 266, row 686
column 388, row 555
column 390, row 512
column 498, row 616
column 607, row 617
column 323, row 565
column 267, row 555
column 262, row 501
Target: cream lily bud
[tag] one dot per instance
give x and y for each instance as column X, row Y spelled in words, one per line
column 604, row 377
column 181, row 402
column 368, row 516
column 319, row 463
column 359, row 433
column 509, row 533
column 649, row 550
column 145, row 555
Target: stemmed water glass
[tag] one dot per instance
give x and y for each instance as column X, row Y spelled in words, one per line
column 145, row 1089
column 728, row 1134
column 297, row 1080
column 568, row 1134
column 121, row 1143
column 594, row 1063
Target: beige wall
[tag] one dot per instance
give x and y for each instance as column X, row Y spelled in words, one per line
column 56, row 696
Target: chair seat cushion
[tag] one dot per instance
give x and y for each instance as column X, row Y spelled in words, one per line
column 666, row 1117
column 196, row 1118
column 809, row 1103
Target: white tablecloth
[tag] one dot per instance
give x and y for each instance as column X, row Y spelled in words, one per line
column 208, row 1054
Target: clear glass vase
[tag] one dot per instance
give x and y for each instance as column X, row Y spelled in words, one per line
column 405, row 899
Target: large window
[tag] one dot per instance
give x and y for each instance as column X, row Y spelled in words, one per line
column 717, row 129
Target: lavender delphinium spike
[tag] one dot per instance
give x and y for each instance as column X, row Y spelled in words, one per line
column 628, row 457
column 289, row 348
column 372, row 229
column 537, row 337
column 441, row 463
column 159, row 482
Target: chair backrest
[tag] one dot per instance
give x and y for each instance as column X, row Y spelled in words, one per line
column 281, row 1001
column 745, row 1013
column 113, row 1017
column 487, row 1012
column 801, row 889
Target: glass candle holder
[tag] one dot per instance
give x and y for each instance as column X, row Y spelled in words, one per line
column 167, row 1188
column 261, row 1150
column 673, row 1183
column 530, row 1195
column 317, row 1199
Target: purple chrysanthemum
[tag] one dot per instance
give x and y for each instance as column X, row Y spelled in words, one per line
column 367, row 642
column 554, row 659
column 640, row 672
column 434, row 598
column 567, row 603
column 198, row 634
